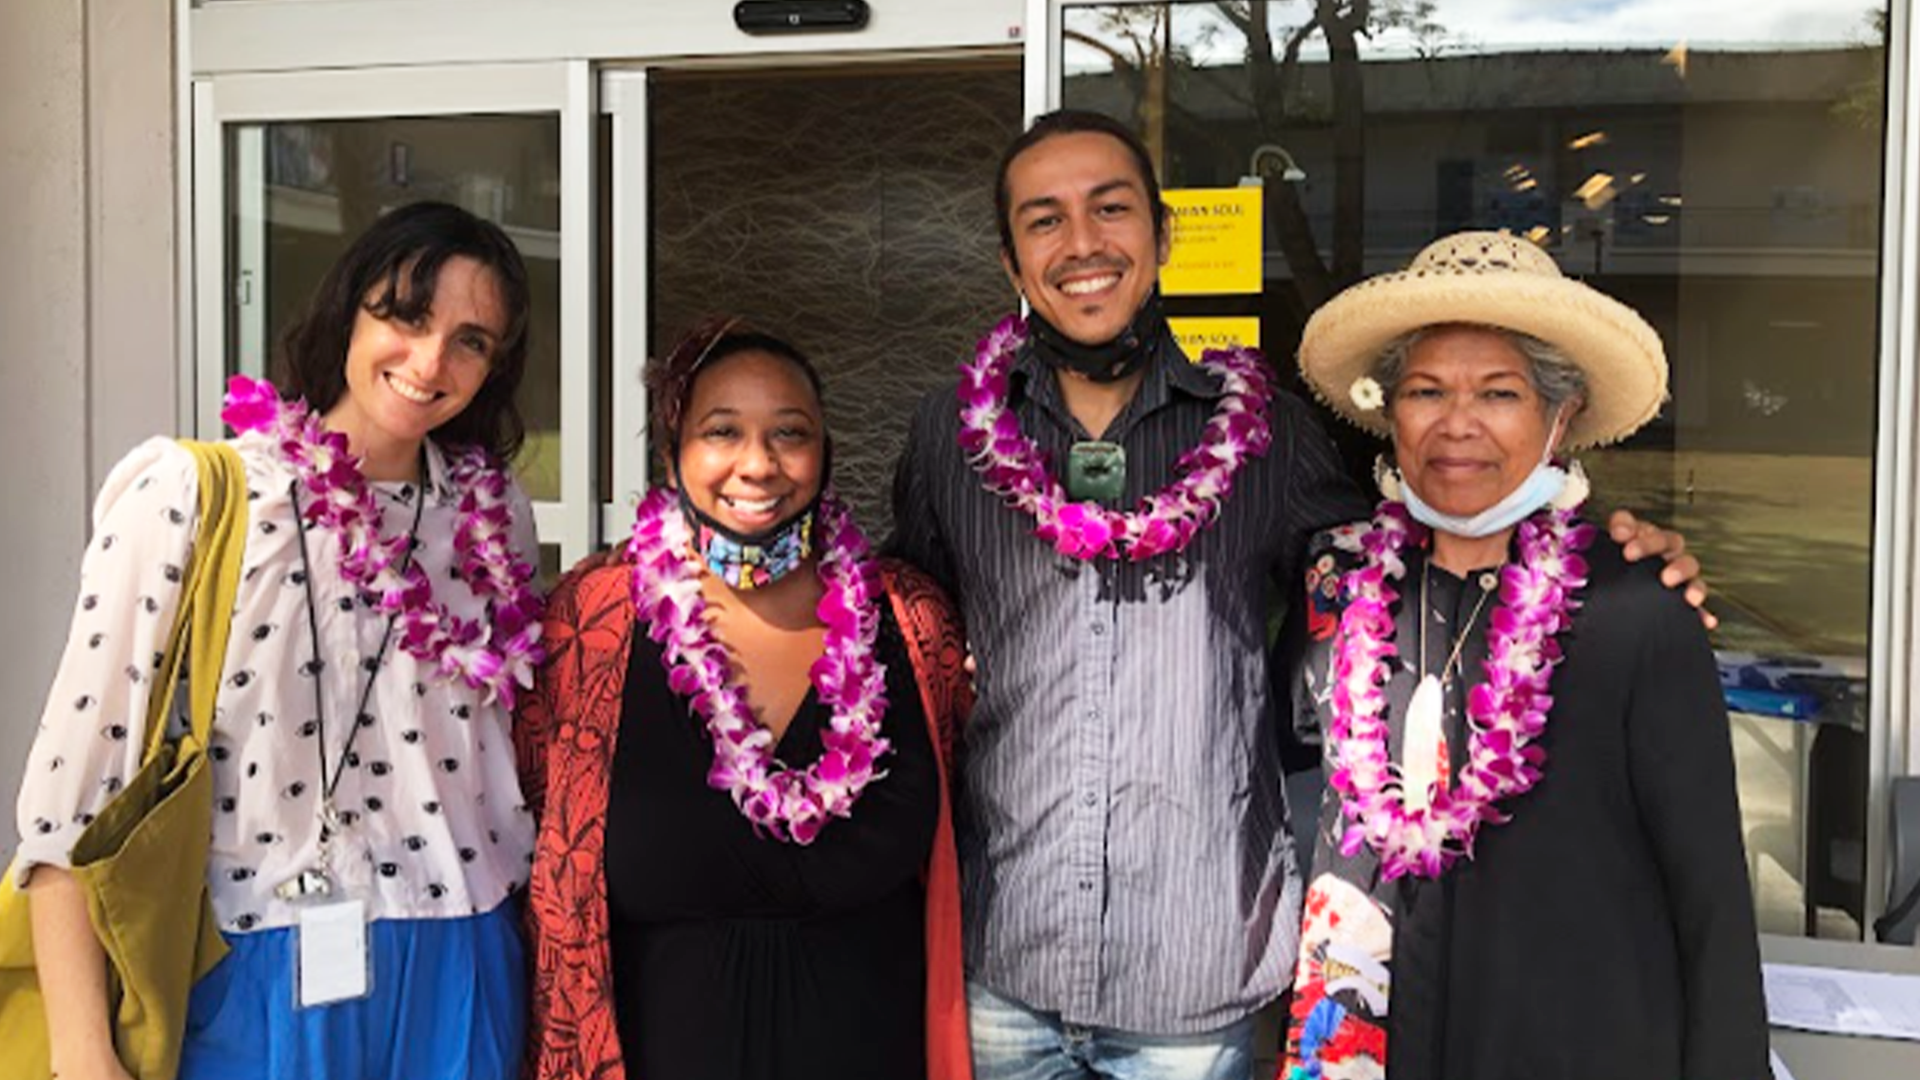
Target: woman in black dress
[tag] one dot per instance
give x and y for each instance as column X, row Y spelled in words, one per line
column 1529, row 860
column 745, row 867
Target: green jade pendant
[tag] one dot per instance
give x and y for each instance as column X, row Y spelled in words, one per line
column 1096, row 472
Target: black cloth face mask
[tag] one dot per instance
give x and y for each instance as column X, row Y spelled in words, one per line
column 1109, row 361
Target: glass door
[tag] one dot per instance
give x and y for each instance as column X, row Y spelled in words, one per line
column 1722, row 173
column 306, row 162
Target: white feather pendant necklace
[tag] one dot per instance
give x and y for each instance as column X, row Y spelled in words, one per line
column 1424, row 767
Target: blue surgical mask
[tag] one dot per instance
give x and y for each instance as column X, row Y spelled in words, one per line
column 1537, row 490
column 1541, row 487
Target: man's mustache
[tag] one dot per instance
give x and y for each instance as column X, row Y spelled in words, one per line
column 1111, row 263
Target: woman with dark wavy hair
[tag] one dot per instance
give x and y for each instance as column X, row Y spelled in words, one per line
column 362, row 767
column 745, row 867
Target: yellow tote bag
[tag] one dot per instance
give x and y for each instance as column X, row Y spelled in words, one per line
column 143, row 861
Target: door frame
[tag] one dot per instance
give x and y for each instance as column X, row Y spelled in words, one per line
column 564, row 88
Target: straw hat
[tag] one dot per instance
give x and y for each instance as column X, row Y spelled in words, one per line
column 1489, row 279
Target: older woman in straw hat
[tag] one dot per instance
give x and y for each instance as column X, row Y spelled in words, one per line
column 1530, row 861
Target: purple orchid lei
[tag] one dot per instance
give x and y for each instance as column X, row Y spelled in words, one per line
column 495, row 655
column 1505, row 712
column 1015, row 469
column 781, row 802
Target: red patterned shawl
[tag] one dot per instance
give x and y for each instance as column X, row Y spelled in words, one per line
column 564, row 736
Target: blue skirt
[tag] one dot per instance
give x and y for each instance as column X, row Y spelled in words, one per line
column 449, row 1002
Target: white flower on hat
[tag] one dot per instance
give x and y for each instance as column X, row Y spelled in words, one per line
column 1366, row 394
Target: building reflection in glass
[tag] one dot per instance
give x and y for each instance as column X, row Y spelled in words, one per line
column 1720, row 169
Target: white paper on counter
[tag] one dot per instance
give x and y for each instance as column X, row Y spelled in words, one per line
column 1843, row 1002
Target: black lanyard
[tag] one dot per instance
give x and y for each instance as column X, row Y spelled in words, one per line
column 318, row 666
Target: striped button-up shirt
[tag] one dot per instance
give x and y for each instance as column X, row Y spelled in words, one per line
column 1123, row 833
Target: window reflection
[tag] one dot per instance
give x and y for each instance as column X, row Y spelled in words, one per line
column 1719, row 170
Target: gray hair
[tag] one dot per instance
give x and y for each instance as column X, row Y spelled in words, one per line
column 1555, row 377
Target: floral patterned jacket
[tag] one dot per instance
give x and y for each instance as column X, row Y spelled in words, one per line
column 564, row 738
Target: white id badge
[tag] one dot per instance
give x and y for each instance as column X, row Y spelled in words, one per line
column 331, row 961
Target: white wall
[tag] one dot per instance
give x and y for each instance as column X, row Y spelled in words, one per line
column 86, row 306
column 131, row 143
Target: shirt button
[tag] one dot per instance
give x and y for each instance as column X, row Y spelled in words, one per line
column 350, row 659
column 1099, row 629
column 1086, row 886
column 1093, row 713
column 1089, row 798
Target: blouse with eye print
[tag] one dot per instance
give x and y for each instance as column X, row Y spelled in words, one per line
column 435, row 823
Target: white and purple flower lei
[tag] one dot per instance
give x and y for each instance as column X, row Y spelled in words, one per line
column 789, row 805
column 1014, row 468
column 1505, row 712
column 495, row 655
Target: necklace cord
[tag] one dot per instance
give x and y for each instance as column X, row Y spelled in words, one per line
column 1503, row 723
column 329, row 786
column 494, row 654
column 1460, row 642
column 1013, row 468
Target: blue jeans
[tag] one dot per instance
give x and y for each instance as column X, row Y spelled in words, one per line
column 1013, row 1042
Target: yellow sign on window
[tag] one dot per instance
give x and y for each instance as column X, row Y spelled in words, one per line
column 1216, row 242
column 1198, row 333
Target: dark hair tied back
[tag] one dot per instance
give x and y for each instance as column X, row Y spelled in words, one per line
column 390, row 272
column 670, row 379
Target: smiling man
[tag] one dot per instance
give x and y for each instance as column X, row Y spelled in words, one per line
column 1128, row 882
column 1109, row 517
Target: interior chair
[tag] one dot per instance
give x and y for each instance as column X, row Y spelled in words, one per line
column 1836, row 824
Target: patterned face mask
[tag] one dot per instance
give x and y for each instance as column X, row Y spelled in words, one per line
column 752, row 562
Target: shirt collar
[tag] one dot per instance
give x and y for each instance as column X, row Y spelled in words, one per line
column 1184, row 375
column 439, row 473
column 439, row 478
column 1167, row 372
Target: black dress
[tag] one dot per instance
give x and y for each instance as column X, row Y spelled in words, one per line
column 742, row 958
column 1607, row 929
